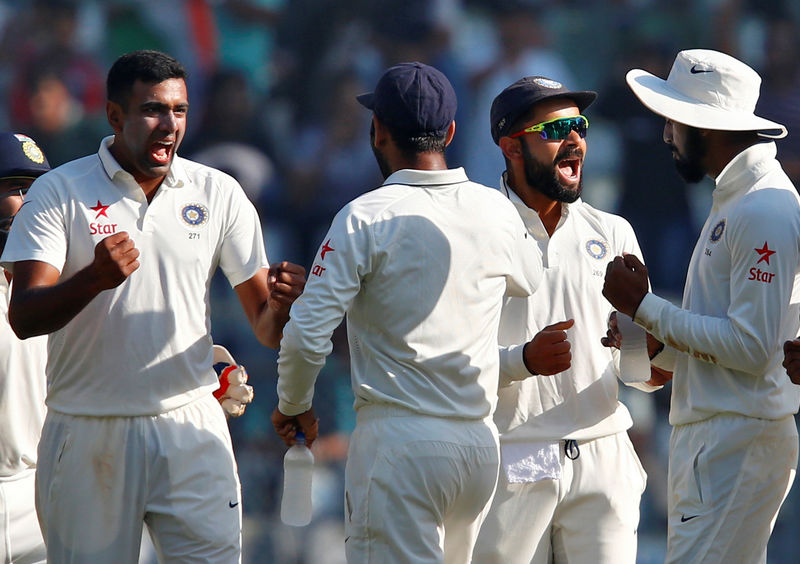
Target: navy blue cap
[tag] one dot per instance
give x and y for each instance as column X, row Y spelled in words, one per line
column 21, row 157
column 414, row 98
column 517, row 99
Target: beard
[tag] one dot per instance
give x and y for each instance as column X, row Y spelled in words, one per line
column 546, row 179
column 689, row 165
column 383, row 164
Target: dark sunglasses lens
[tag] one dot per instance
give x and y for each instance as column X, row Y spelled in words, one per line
column 561, row 129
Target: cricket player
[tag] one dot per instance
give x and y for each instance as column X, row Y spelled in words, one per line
column 570, row 481
column 22, row 374
column 419, row 266
column 112, row 255
column 734, row 445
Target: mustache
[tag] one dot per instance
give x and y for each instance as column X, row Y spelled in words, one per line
column 569, row 153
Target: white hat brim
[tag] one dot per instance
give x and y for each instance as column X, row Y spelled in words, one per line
column 662, row 99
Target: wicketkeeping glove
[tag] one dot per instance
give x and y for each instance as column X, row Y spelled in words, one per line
column 233, row 394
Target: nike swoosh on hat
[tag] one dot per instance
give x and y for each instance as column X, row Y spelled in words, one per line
column 695, row 70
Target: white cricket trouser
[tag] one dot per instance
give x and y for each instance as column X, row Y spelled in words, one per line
column 417, row 487
column 588, row 516
column 20, row 537
column 100, row 478
column 728, row 477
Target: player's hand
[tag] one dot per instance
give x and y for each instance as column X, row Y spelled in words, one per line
column 791, row 360
column 287, row 426
column 233, row 393
column 625, row 283
column 658, row 377
column 548, row 352
column 286, row 282
column 613, row 338
column 114, row 260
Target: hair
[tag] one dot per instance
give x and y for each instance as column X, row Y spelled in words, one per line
column 411, row 144
column 146, row 66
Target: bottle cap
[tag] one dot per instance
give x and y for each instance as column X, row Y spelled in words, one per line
column 300, row 437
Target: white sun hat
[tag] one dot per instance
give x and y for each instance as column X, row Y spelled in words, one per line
column 708, row 90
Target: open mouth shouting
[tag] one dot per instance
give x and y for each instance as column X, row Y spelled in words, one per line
column 161, row 152
column 569, row 169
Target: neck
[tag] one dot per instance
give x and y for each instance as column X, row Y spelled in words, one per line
column 148, row 184
column 724, row 146
column 549, row 210
column 420, row 161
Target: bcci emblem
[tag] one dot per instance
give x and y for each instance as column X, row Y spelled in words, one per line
column 547, row 83
column 596, row 249
column 32, row 151
column 194, row 215
column 716, row 233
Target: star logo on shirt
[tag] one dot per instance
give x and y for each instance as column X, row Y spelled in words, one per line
column 100, row 209
column 764, row 253
column 325, row 248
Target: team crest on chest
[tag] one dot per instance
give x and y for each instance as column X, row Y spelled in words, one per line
column 596, row 249
column 194, row 214
column 716, row 233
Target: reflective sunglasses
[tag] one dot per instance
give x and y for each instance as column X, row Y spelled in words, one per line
column 558, row 128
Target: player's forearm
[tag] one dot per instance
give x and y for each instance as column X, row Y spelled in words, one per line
column 268, row 328
column 40, row 310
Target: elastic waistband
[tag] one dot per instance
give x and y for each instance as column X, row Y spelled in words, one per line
column 382, row 410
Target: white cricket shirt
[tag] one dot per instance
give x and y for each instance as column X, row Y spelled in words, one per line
column 420, row 266
column 741, row 298
column 143, row 347
column 581, row 402
column 22, row 390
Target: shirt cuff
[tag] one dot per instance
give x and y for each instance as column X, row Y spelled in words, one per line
column 665, row 359
column 649, row 310
column 512, row 365
column 644, row 386
column 292, row 409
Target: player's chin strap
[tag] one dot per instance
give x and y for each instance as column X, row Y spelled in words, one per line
column 233, row 393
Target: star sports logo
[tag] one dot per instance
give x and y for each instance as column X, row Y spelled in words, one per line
column 99, row 209
column 326, row 248
column 97, row 228
column 764, row 252
column 762, row 275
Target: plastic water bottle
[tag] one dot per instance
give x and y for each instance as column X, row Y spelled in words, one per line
column 298, row 468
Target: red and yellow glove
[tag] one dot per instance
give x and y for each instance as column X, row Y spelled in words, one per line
column 233, row 394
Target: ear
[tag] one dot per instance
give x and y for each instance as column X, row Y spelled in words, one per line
column 512, row 148
column 381, row 133
column 451, row 131
column 115, row 116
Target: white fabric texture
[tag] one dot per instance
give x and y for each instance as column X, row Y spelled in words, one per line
column 22, row 393
column 706, row 89
column 21, row 539
column 530, row 462
column 22, row 412
column 142, row 348
column 417, row 488
column 420, row 266
column 589, row 516
column 728, row 477
column 98, row 476
column 741, row 300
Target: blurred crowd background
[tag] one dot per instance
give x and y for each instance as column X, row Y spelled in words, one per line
column 272, row 90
